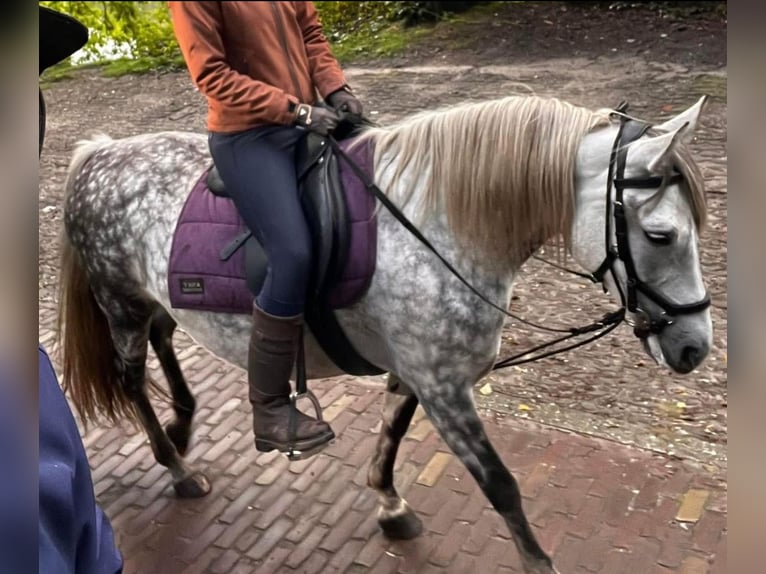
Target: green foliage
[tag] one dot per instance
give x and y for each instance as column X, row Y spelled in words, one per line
column 142, row 29
column 134, row 37
column 390, row 41
column 341, row 20
column 364, row 28
column 419, row 12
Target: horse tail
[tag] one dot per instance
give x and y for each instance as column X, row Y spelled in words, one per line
column 83, row 151
column 87, row 351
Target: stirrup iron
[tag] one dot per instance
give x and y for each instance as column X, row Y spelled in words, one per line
column 301, row 391
column 293, row 454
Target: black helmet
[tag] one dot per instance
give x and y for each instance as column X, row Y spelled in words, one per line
column 60, row 37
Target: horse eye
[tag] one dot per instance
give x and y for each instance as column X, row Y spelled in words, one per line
column 660, row 238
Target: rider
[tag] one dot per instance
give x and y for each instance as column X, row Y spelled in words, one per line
column 260, row 66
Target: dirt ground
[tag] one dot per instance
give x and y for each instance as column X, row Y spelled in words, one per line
column 689, row 36
column 586, row 54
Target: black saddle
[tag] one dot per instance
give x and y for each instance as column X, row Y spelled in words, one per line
column 324, row 205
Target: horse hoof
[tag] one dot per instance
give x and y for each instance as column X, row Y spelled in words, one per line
column 539, row 567
column 402, row 525
column 179, row 436
column 193, row 486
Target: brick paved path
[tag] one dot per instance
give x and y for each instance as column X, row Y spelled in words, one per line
column 598, row 506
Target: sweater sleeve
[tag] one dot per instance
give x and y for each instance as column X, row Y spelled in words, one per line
column 325, row 70
column 197, row 27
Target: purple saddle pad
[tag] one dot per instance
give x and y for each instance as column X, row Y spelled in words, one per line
column 198, row 279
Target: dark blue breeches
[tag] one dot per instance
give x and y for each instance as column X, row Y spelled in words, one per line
column 258, row 169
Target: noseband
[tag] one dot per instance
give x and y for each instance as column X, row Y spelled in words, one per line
column 644, row 324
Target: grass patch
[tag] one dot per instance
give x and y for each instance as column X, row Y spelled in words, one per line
column 64, row 71
column 394, row 39
column 123, row 66
column 53, row 75
column 714, row 86
column 389, row 41
column 478, row 13
column 459, row 31
column 113, row 68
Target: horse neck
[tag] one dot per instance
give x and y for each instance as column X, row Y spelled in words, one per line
column 432, row 220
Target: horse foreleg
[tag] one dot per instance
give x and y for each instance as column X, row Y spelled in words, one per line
column 458, row 423
column 396, row 518
column 161, row 337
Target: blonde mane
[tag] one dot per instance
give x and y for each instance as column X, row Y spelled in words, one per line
column 503, row 171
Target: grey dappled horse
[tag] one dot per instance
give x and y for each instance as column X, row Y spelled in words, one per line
column 488, row 183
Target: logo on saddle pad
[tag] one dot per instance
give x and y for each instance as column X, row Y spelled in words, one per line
column 193, row 286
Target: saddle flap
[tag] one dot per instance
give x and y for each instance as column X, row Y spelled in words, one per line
column 325, row 209
column 308, row 152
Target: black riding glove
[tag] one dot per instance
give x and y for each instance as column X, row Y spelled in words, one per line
column 345, row 101
column 316, row 119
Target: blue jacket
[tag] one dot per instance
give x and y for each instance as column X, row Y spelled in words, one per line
column 18, row 497
column 75, row 535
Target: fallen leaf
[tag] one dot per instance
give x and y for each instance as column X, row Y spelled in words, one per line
column 523, row 407
column 486, row 389
column 667, row 108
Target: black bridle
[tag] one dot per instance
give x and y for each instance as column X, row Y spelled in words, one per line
column 630, row 130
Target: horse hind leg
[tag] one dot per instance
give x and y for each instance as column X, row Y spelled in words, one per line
column 455, row 417
column 395, row 517
column 130, row 320
column 161, row 337
column 187, row 482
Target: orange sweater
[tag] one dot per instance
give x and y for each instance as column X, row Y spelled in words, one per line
column 254, row 61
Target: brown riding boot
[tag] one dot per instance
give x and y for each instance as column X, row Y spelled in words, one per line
column 273, row 348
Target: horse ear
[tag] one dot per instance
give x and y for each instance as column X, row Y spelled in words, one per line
column 656, row 153
column 690, row 116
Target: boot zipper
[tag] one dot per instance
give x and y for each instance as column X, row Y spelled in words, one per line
column 283, row 39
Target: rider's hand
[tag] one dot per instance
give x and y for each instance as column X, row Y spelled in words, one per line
column 345, row 102
column 316, row 119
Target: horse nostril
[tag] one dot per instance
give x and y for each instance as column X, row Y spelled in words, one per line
column 691, row 356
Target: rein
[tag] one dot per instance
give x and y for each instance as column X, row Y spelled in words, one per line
column 607, row 323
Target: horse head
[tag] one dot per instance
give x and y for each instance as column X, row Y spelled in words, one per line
column 640, row 205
